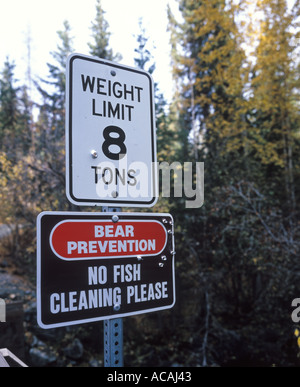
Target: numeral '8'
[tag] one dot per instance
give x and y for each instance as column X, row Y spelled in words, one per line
column 112, row 140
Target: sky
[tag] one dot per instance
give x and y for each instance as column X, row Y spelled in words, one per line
column 41, row 19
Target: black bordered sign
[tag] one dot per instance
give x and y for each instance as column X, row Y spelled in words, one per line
column 110, row 134
column 96, row 266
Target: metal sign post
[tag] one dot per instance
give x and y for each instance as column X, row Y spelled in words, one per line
column 113, row 342
column 2, row 310
column 113, row 329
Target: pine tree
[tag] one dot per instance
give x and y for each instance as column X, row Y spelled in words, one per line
column 250, row 147
column 144, row 55
column 208, row 67
column 50, row 126
column 101, row 35
column 58, row 80
column 207, row 63
column 53, row 108
column 275, row 81
column 9, row 110
column 144, row 61
column 26, row 120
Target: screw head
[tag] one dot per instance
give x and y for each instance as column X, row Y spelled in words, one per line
column 117, row 307
column 161, row 264
column 113, row 73
column 94, row 154
column 115, row 218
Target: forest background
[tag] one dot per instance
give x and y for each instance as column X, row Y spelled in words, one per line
column 236, row 108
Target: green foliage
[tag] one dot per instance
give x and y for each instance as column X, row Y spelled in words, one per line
column 275, row 83
column 237, row 266
column 241, row 118
column 165, row 133
column 144, row 55
column 100, row 33
column 13, row 122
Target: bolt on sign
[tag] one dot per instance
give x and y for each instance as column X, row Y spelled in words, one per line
column 97, row 266
column 110, row 134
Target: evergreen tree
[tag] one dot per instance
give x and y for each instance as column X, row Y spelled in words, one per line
column 54, row 94
column 101, row 35
column 51, row 122
column 9, row 110
column 275, row 81
column 144, row 55
column 245, row 140
column 164, row 133
column 57, row 80
column 208, row 73
column 26, row 121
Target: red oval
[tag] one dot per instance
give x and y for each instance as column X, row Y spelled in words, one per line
column 86, row 239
